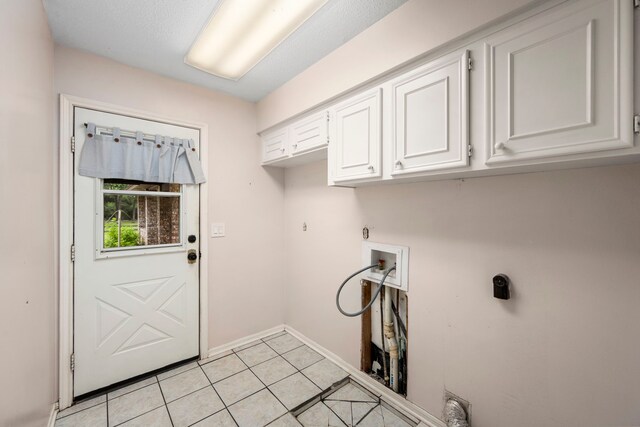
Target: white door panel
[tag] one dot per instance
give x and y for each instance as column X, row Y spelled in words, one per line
column 135, row 308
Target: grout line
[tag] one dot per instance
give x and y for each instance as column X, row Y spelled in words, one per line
column 210, row 415
column 218, row 394
column 243, row 348
column 129, row 392
column 175, row 375
column 144, row 413
column 266, row 387
column 81, row 410
column 165, row 401
column 281, row 353
column 191, row 392
column 365, row 415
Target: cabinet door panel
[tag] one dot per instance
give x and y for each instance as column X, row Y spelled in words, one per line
column 355, row 149
column 557, row 84
column 274, row 145
column 430, row 116
column 309, row 133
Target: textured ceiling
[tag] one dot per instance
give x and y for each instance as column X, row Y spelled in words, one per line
column 156, row 34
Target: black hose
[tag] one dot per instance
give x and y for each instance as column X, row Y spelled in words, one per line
column 373, row 297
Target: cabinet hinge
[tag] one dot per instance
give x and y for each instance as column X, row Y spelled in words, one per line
column 328, row 112
column 72, row 362
column 469, row 150
column 73, row 144
column 73, row 253
column 636, row 123
column 470, row 63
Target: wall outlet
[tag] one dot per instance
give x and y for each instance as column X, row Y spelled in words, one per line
column 217, row 229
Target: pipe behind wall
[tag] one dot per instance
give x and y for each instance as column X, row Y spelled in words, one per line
column 389, row 333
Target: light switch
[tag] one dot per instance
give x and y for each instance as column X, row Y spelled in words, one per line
column 217, row 229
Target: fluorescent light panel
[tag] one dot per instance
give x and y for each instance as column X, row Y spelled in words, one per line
column 240, row 33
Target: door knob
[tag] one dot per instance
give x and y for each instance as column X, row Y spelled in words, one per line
column 192, row 256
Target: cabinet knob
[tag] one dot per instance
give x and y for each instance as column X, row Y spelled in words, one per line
column 499, row 145
column 295, row 146
column 370, row 168
column 398, row 164
column 282, row 149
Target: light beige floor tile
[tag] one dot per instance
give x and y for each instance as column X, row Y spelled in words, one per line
column 178, row 370
column 302, row 357
column 156, row 418
column 274, row 335
column 341, row 409
column 257, row 410
column 319, row 416
column 360, row 409
column 294, row 390
column 95, row 416
column 325, row 373
column 256, row 354
column 184, row 383
column 82, row 405
column 132, row 387
column 284, row 343
column 287, row 420
column 219, row 419
column 353, row 393
column 247, row 345
column 238, row 387
column 215, row 357
column 223, row 368
column 383, row 417
column 136, row 403
column 273, row 370
column 194, row 407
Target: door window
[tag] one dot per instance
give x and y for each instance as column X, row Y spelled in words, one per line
column 137, row 215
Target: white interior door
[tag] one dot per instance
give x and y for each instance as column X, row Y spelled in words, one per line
column 136, row 294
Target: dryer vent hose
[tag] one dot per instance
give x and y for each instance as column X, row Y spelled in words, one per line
column 455, row 414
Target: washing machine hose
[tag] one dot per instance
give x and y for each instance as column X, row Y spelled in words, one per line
column 373, row 297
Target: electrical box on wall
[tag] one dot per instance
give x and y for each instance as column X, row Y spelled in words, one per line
column 390, row 255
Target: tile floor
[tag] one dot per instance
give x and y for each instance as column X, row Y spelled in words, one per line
column 265, row 382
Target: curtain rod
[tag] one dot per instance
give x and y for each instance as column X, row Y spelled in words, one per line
column 129, row 133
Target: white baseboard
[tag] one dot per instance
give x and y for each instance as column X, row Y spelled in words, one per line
column 246, row 340
column 53, row 415
column 404, row 405
column 389, row 396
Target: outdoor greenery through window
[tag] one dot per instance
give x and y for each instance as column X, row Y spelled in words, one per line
column 140, row 214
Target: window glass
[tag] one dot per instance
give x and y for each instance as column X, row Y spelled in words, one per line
column 131, row 218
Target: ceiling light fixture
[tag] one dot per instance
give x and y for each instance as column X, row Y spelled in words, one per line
column 240, row 33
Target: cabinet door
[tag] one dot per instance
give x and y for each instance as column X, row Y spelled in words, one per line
column 561, row 83
column 430, row 117
column 354, row 151
column 309, row 133
column 274, row 145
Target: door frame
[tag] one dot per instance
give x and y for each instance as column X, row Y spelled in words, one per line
column 66, row 197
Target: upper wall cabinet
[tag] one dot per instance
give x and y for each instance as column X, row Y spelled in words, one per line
column 430, row 116
column 275, row 145
column 561, row 83
column 309, row 133
column 356, row 138
column 300, row 142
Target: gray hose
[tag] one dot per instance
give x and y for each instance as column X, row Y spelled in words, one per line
column 374, row 296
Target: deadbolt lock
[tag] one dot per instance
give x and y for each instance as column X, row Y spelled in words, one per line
column 192, row 256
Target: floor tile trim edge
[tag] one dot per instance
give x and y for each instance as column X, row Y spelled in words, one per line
column 245, row 340
column 388, row 395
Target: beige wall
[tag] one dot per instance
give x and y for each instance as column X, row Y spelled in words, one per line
column 411, row 30
column 245, row 270
column 27, row 316
column 562, row 352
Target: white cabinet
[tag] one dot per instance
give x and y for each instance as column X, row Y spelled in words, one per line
column 309, row 133
column 302, row 141
column 275, row 145
column 356, row 138
column 430, row 116
column 561, row 83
